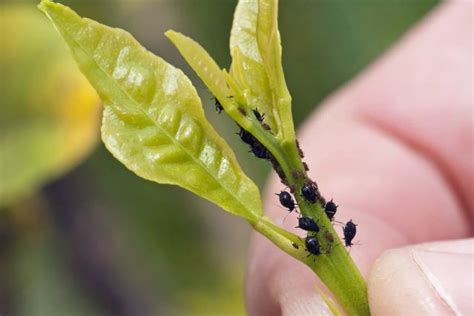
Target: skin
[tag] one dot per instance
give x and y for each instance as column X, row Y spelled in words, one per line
column 394, row 148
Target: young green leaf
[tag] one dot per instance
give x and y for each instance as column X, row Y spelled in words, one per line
column 244, row 30
column 221, row 85
column 205, row 67
column 210, row 73
column 251, row 77
column 247, row 67
column 256, row 63
column 153, row 119
column 269, row 45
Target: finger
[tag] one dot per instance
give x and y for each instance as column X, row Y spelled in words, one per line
column 427, row 279
column 395, row 192
column 422, row 95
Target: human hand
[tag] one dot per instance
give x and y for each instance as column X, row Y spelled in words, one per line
column 394, row 149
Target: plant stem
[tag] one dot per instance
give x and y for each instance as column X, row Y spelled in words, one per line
column 334, row 266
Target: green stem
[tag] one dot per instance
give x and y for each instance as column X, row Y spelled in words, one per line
column 334, row 266
column 283, row 239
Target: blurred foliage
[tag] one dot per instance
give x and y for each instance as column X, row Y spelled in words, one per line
column 49, row 113
column 158, row 232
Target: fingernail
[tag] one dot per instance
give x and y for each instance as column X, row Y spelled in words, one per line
column 448, row 269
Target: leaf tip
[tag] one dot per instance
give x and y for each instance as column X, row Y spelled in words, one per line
column 50, row 8
column 44, row 5
column 171, row 34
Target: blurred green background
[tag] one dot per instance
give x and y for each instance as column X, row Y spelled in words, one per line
column 81, row 235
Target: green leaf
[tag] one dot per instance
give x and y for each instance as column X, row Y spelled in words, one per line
column 244, row 28
column 210, row 73
column 269, row 45
column 256, row 63
column 222, row 85
column 253, row 83
column 153, row 119
column 49, row 114
column 203, row 64
column 247, row 67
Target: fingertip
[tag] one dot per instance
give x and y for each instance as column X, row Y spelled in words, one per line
column 427, row 279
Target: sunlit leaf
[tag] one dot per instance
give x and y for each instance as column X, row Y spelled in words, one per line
column 153, row 119
column 256, row 63
column 203, row 64
column 209, row 72
column 247, row 67
column 49, row 114
column 269, row 45
column 268, row 41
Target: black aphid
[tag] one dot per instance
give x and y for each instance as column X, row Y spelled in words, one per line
column 300, row 151
column 266, row 127
column 219, row 107
column 286, row 200
column 258, row 115
column 308, row 224
column 305, row 165
column 242, row 111
column 279, row 170
column 312, row 245
column 297, row 174
column 330, row 209
column 328, row 236
column 246, row 137
column 309, row 191
column 349, row 230
column 259, row 150
column 292, row 188
column 255, row 146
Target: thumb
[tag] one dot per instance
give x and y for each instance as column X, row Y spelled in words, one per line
column 426, row 279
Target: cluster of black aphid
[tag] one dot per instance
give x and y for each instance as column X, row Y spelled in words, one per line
column 311, row 227
column 257, row 148
column 307, row 223
column 309, row 191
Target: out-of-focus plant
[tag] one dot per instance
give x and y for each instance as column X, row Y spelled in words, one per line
column 49, row 113
column 153, row 122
